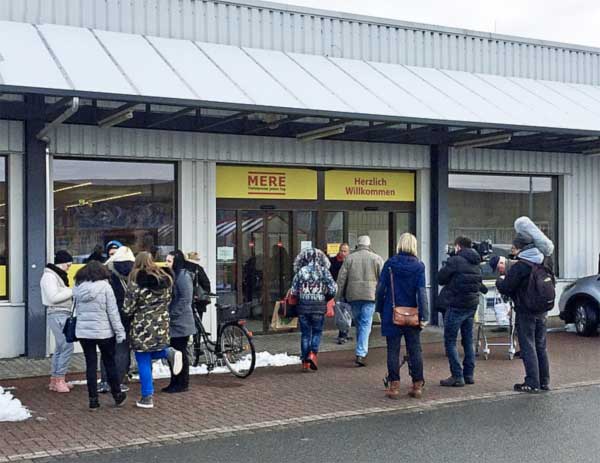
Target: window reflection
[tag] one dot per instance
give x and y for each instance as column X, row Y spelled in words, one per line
column 99, row 201
column 484, row 207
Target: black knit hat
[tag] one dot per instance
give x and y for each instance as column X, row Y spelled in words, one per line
column 522, row 240
column 62, row 257
column 494, row 262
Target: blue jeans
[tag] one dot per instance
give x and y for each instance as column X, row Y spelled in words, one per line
column 63, row 351
column 412, row 338
column 144, row 361
column 311, row 326
column 455, row 320
column 532, row 339
column 362, row 312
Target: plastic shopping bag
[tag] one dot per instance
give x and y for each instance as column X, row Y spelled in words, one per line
column 343, row 316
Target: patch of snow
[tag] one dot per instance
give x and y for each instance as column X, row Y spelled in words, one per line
column 161, row 370
column 11, row 409
column 263, row 359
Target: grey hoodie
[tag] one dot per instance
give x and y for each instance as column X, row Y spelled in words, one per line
column 97, row 312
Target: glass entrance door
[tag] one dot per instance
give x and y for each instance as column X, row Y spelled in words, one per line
column 373, row 223
column 270, row 240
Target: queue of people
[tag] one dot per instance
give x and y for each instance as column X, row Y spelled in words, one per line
column 123, row 304
column 129, row 303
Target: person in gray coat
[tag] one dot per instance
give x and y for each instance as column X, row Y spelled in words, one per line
column 98, row 326
column 182, row 318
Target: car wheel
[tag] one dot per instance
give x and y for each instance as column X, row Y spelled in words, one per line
column 586, row 319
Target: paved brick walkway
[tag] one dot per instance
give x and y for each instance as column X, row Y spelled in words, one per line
column 219, row 404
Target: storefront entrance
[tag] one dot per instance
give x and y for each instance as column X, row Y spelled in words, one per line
column 258, row 239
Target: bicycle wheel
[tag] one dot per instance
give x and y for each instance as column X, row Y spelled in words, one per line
column 238, row 350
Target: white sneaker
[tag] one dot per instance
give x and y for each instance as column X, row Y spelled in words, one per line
column 175, row 358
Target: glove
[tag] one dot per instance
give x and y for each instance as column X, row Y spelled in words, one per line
column 423, row 323
column 121, row 338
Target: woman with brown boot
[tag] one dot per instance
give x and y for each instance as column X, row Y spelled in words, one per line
column 402, row 284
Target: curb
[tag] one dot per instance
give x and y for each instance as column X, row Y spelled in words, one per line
column 226, row 431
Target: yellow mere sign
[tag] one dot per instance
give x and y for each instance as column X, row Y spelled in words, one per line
column 254, row 182
column 352, row 185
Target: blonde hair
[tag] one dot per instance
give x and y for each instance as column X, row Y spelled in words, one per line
column 408, row 244
column 193, row 255
column 144, row 262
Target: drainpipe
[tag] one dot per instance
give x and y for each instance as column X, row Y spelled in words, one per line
column 73, row 107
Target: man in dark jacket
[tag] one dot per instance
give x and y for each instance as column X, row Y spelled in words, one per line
column 336, row 264
column 462, row 281
column 531, row 325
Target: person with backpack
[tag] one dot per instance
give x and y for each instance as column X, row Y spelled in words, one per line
column 530, row 283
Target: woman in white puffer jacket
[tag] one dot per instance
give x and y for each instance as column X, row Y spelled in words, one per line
column 98, row 326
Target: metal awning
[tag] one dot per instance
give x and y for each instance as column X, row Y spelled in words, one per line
column 71, row 61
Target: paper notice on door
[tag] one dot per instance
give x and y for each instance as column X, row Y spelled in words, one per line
column 224, row 253
column 333, row 248
column 305, row 245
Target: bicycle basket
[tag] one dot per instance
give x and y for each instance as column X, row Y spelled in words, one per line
column 232, row 313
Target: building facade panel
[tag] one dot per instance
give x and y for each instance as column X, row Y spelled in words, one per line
column 296, row 29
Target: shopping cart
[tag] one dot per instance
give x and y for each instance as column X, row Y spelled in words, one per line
column 494, row 312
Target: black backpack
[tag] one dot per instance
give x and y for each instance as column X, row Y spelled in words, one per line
column 540, row 294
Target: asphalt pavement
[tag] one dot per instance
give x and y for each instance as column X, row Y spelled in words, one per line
column 559, row 426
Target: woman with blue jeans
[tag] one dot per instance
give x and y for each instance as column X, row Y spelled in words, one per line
column 146, row 303
column 314, row 287
column 408, row 286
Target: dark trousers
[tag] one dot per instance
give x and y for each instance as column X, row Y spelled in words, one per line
column 532, row 339
column 122, row 362
column 107, row 349
column 182, row 380
column 456, row 320
column 412, row 338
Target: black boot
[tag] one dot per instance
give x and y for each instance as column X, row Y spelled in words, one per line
column 452, row 382
column 94, row 404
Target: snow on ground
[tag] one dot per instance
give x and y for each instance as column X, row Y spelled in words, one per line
column 263, row 359
column 12, row 409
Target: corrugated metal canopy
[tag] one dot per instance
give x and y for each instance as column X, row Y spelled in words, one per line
column 61, row 60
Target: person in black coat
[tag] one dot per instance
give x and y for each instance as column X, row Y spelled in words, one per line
column 462, row 281
column 200, row 279
column 336, row 264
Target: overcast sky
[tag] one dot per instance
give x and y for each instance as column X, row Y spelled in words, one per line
column 572, row 21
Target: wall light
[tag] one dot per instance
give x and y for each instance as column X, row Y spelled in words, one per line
column 322, row 132
column 483, row 141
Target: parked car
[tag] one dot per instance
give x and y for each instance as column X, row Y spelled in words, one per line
column 580, row 304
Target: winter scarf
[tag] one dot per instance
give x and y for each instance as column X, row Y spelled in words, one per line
column 60, row 272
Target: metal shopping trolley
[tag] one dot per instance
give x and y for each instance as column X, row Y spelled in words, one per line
column 493, row 313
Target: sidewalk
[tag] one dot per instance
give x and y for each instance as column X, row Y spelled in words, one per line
column 271, row 397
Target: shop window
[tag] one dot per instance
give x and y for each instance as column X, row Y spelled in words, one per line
column 3, row 228
column 99, row 201
column 484, row 207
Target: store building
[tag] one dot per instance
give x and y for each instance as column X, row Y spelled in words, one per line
column 247, row 130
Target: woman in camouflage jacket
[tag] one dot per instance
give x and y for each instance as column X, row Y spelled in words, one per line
column 146, row 303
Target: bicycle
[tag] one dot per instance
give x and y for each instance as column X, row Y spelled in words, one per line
column 233, row 347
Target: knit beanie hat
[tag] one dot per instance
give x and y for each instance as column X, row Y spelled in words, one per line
column 522, row 240
column 494, row 262
column 62, row 257
column 114, row 244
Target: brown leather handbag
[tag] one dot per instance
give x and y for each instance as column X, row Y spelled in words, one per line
column 403, row 316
